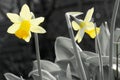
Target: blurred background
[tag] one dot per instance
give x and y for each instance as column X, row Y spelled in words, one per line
column 16, row 55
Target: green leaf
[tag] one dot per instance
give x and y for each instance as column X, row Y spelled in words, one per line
column 103, row 39
column 65, row 55
column 95, row 60
column 47, row 65
column 10, row 76
column 45, row 75
column 117, row 41
column 117, row 34
column 64, row 49
column 68, row 73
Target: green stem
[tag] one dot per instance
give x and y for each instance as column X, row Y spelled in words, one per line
column 98, row 50
column 77, row 54
column 100, row 62
column 112, row 26
column 117, row 61
column 38, row 55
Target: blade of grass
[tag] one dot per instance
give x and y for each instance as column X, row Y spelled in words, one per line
column 77, row 55
column 112, row 28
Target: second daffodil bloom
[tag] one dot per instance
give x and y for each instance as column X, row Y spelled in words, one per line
column 24, row 24
column 85, row 26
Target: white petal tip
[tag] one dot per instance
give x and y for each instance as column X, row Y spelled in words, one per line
column 74, row 14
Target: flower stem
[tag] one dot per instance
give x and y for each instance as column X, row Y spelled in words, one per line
column 77, row 55
column 116, row 61
column 112, row 28
column 98, row 50
column 38, row 55
column 117, row 56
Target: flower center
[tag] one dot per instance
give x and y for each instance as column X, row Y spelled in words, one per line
column 82, row 24
column 23, row 31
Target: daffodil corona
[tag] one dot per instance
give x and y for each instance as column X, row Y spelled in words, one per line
column 24, row 24
column 85, row 26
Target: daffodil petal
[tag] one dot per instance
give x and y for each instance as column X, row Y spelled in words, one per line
column 74, row 14
column 13, row 17
column 13, row 28
column 93, row 33
column 89, row 26
column 89, row 15
column 75, row 26
column 37, row 29
column 79, row 35
column 25, row 12
column 28, row 38
column 37, row 21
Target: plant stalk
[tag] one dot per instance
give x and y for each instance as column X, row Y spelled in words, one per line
column 98, row 50
column 117, row 57
column 112, row 28
column 38, row 55
column 117, row 62
column 77, row 55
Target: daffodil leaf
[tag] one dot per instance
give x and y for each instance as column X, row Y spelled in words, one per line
column 68, row 73
column 64, row 50
column 89, row 54
column 65, row 55
column 10, row 76
column 95, row 60
column 117, row 35
column 117, row 41
column 47, row 65
column 45, row 75
column 114, row 68
column 63, row 64
column 96, row 73
column 103, row 39
column 61, row 75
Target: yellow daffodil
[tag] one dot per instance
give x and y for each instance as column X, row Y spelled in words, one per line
column 85, row 26
column 24, row 24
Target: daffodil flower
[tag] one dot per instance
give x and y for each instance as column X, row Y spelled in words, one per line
column 85, row 26
column 24, row 24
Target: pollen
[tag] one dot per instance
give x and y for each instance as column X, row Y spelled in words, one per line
column 23, row 31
